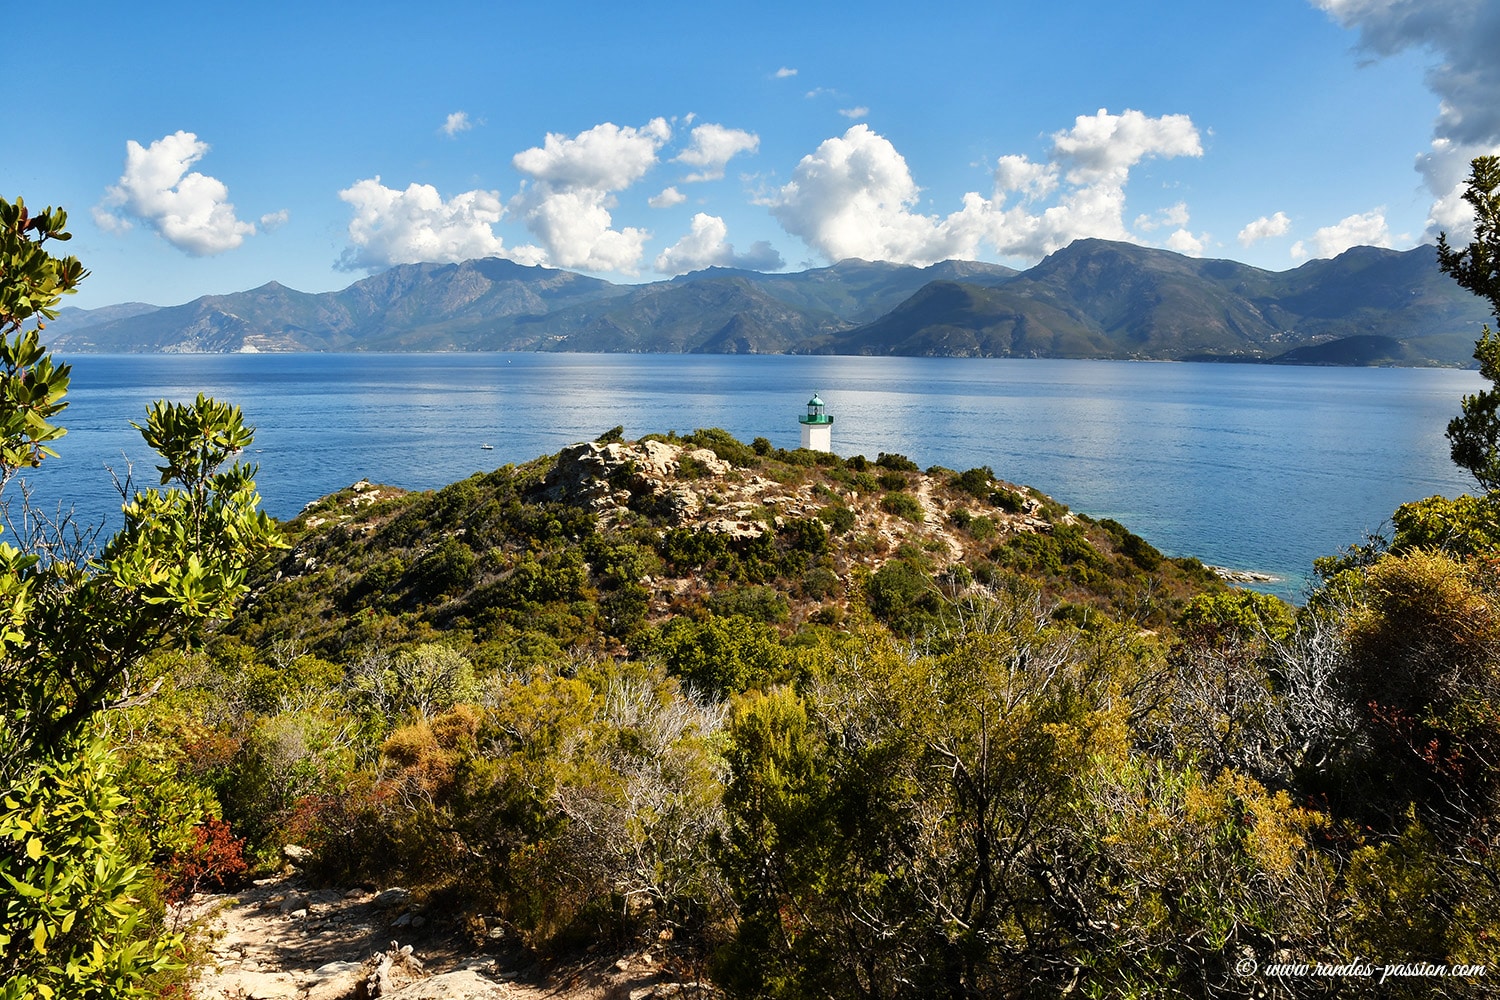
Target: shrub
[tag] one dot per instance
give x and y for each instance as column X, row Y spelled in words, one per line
column 902, row 596
column 838, row 517
column 720, row 655
column 903, row 505
column 214, row 862
column 723, row 444
column 897, row 463
column 761, row 604
column 975, row 482
column 819, row 583
column 444, row 571
column 805, row 534
column 70, row 923
column 1008, row 500
column 1140, row 551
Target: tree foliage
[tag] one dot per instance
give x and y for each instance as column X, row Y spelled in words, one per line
column 72, row 631
column 1475, row 434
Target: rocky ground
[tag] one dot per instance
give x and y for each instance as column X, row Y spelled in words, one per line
column 281, row 939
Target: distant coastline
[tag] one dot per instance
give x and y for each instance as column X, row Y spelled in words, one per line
column 1094, row 299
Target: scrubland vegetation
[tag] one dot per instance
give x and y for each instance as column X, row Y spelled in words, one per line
column 930, row 734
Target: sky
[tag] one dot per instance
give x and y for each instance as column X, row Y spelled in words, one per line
column 205, row 149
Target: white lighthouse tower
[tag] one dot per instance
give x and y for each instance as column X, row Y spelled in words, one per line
column 817, row 427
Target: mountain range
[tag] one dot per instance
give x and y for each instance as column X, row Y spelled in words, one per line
column 1092, row 299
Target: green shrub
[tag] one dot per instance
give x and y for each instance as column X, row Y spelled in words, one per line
column 70, row 923
column 723, row 444
column 975, row 482
column 1140, row 551
column 897, row 463
column 444, row 571
column 720, row 655
column 624, row 610
column 805, row 534
column 838, row 517
column 901, row 595
column 1467, row 525
column 1008, row 500
column 903, row 505
column 820, row 583
column 757, row 603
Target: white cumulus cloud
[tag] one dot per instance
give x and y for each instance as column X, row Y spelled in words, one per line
column 1017, row 174
column 1175, row 215
column 856, row 112
column 567, row 202
column 606, row 157
column 784, row 72
column 1102, row 148
column 706, row 244
column 1264, row 228
column 576, row 228
column 188, row 209
column 855, row 195
column 417, row 225
column 457, row 122
column 713, row 146
column 1365, row 229
column 1185, row 242
column 667, row 198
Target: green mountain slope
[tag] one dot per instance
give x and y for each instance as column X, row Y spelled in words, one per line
column 1094, row 298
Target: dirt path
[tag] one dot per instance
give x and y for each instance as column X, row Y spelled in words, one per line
column 282, row 940
column 937, row 522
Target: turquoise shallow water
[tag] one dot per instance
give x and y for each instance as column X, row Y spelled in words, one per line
column 1249, row 466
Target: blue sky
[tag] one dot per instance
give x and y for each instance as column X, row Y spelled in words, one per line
column 204, row 150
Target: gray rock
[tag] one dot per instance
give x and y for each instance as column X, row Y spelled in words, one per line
column 391, row 898
column 294, row 901
column 335, row 969
column 294, row 855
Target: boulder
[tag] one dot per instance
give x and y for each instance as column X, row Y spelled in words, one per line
column 294, row 855
column 294, row 901
column 390, row 898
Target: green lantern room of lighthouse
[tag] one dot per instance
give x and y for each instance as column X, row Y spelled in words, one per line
column 815, row 414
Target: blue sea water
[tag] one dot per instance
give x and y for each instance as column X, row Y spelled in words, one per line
column 1255, row 467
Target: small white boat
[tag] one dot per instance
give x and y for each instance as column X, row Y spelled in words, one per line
column 486, row 447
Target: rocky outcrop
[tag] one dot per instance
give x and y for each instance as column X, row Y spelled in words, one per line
column 692, row 487
column 602, row 477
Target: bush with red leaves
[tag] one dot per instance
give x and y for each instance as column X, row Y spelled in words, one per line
column 215, row 862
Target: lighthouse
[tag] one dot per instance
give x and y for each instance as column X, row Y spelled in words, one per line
column 817, row 427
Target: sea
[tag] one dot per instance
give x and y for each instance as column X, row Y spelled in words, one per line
column 1252, row 467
